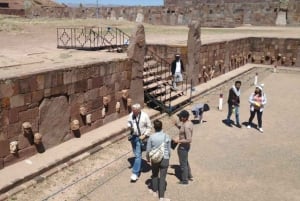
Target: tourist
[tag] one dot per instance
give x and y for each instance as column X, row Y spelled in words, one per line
column 140, row 125
column 184, row 141
column 177, row 69
column 234, row 103
column 155, row 140
column 257, row 100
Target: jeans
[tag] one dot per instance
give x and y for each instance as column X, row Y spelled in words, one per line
column 237, row 113
column 159, row 184
column 136, row 148
column 259, row 117
column 183, row 154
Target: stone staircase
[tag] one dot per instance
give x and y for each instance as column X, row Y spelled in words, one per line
column 158, row 91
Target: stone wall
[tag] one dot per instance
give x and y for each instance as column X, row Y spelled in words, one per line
column 213, row 13
column 49, row 102
column 221, row 57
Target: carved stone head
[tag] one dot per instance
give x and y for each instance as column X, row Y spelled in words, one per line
column 83, row 110
column 26, row 127
column 13, row 147
column 37, row 138
column 75, row 125
column 118, row 107
column 125, row 94
column 105, row 100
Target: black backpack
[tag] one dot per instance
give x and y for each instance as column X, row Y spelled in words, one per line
column 205, row 107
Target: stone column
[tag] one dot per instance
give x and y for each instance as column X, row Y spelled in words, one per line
column 136, row 53
column 193, row 55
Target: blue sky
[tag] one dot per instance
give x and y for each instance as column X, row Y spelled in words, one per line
column 116, row 2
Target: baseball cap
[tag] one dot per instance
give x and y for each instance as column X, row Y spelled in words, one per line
column 183, row 114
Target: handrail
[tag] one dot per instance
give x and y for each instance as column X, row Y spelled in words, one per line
column 91, row 38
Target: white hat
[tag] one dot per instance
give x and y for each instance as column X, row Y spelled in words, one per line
column 260, row 86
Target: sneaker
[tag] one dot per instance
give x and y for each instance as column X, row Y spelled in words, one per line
column 261, row 130
column 249, row 126
column 239, row 126
column 164, row 199
column 133, row 177
column 183, row 182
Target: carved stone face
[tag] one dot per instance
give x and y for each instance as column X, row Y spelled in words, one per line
column 89, row 118
column 13, row 146
column 105, row 100
column 75, row 125
column 83, row 110
column 129, row 101
column 37, row 138
column 26, row 127
column 103, row 112
column 118, row 107
column 125, row 94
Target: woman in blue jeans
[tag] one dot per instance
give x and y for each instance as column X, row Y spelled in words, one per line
column 161, row 168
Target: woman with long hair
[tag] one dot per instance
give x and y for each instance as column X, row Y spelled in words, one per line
column 257, row 100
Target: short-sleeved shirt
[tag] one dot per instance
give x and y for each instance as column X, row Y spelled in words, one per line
column 186, row 132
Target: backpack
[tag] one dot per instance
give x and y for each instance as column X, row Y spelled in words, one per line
column 206, row 107
column 157, row 154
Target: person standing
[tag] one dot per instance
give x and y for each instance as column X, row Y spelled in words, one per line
column 184, row 141
column 140, row 125
column 234, row 103
column 257, row 100
column 177, row 69
column 154, row 141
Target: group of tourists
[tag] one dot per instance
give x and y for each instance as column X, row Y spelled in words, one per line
column 140, row 125
column 158, row 144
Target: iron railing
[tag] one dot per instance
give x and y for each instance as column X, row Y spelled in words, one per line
column 162, row 79
column 91, row 38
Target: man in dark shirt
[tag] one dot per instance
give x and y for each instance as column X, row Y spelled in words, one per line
column 177, row 69
column 234, row 103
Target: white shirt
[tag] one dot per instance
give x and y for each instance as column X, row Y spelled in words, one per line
column 144, row 123
column 178, row 67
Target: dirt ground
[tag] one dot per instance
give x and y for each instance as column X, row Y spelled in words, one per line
column 229, row 164
column 33, row 41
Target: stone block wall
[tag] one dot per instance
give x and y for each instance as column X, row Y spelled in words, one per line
column 221, row 57
column 50, row 101
column 213, row 13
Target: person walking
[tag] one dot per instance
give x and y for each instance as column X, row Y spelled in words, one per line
column 177, row 69
column 140, row 125
column 161, row 168
column 257, row 100
column 234, row 103
column 184, row 141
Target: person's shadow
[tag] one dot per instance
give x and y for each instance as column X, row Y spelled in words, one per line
column 229, row 124
column 145, row 167
column 177, row 171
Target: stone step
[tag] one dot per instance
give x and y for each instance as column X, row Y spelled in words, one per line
column 151, row 79
column 170, row 96
column 154, row 85
column 162, row 90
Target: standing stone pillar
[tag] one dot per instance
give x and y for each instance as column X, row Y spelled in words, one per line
column 193, row 56
column 136, row 53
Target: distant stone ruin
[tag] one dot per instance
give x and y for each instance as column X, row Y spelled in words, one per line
column 211, row 13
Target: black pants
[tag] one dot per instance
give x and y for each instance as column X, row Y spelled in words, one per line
column 183, row 155
column 259, row 117
column 159, row 184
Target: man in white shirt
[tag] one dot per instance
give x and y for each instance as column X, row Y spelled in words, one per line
column 140, row 125
column 177, row 69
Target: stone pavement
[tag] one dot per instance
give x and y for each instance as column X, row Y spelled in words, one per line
column 227, row 163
